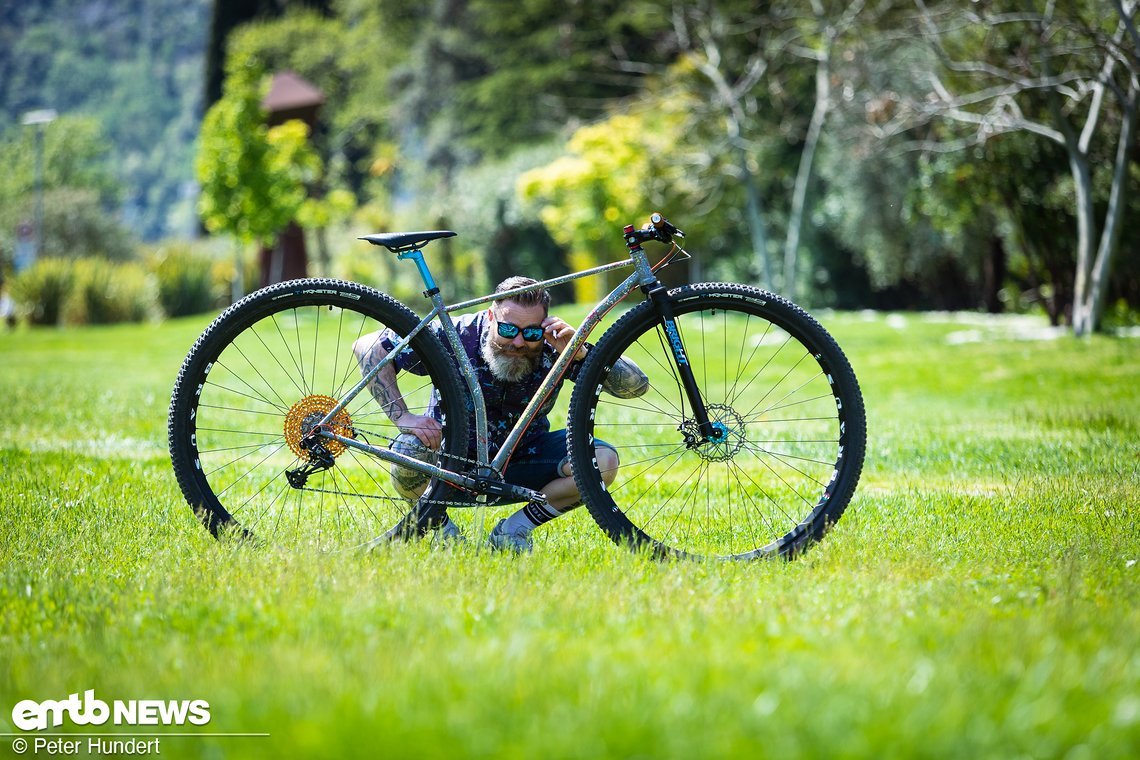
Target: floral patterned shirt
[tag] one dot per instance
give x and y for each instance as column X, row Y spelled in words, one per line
column 505, row 400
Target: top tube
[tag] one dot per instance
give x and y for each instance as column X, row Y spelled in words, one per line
column 544, row 284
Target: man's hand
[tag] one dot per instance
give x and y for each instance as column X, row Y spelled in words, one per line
column 559, row 334
column 427, row 429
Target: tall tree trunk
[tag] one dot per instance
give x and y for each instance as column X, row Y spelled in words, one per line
column 1093, row 307
column 753, row 211
column 1086, row 233
column 993, row 274
column 323, row 255
column 807, row 159
column 1076, row 148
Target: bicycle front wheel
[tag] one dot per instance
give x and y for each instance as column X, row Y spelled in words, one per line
column 791, row 428
column 253, row 387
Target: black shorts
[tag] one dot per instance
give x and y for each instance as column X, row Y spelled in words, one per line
column 539, row 462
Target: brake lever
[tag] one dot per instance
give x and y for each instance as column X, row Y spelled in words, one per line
column 664, row 227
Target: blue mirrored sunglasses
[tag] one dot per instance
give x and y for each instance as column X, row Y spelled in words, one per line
column 531, row 334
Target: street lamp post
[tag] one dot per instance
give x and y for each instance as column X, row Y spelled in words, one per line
column 39, row 119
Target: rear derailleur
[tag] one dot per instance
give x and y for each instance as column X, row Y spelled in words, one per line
column 320, row 459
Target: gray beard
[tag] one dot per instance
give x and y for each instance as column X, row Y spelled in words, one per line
column 509, row 368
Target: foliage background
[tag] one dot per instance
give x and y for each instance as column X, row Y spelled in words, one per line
column 471, row 113
column 134, row 67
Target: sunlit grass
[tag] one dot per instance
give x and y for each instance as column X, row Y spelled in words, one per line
column 980, row 596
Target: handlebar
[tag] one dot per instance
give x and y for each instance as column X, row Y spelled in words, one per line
column 657, row 228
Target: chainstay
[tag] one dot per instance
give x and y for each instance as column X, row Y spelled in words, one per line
column 398, row 500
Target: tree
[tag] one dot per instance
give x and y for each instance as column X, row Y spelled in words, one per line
column 543, row 64
column 254, row 178
column 80, row 191
column 134, row 66
column 352, row 129
column 615, row 173
column 704, row 32
column 823, row 30
column 744, row 67
column 228, row 15
column 1053, row 73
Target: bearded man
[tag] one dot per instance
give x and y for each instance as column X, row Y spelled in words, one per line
column 512, row 345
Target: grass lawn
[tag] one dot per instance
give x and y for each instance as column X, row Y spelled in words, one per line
column 980, row 597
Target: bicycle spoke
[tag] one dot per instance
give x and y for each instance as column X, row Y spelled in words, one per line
column 282, row 407
column 240, row 411
column 774, row 440
column 271, row 380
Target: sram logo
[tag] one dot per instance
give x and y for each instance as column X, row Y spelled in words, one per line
column 30, row 715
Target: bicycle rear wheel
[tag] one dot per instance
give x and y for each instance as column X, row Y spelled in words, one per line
column 783, row 398
column 254, row 384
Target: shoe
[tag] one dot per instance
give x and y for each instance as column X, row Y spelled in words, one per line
column 448, row 534
column 518, row 542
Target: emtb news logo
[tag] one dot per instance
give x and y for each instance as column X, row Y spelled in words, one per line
column 30, row 715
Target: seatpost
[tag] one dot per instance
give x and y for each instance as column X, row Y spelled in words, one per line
column 417, row 256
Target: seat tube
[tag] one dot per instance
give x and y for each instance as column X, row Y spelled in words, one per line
column 465, row 368
column 658, row 295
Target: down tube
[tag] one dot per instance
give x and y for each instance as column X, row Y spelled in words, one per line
column 562, row 364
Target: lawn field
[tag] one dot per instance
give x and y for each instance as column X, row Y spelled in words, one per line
column 979, row 598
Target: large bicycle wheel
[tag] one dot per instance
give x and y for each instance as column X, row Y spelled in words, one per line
column 779, row 391
column 256, row 382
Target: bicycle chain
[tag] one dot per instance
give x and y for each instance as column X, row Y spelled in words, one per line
column 397, row 499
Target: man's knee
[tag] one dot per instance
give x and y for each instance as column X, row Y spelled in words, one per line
column 411, row 483
column 607, row 460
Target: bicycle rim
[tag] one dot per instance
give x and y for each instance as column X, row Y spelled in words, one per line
column 788, row 412
column 250, row 391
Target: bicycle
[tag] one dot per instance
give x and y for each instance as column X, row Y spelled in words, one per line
column 748, row 442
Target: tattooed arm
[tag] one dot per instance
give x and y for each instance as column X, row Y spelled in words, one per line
column 369, row 352
column 625, row 380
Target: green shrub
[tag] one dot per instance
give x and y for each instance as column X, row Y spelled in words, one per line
column 379, row 269
column 41, row 290
column 1120, row 314
column 186, row 280
column 103, row 292
column 224, row 268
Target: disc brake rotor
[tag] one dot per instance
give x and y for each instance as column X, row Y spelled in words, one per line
column 730, row 434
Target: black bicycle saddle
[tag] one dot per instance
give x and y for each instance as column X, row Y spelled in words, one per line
column 397, row 242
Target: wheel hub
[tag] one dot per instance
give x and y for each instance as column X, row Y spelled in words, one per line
column 728, row 434
column 303, row 419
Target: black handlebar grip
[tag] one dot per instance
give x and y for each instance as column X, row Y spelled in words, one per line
column 664, row 227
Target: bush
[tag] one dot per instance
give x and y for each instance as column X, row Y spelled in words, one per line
column 186, row 280
column 377, row 268
column 87, row 291
column 103, row 292
column 223, row 269
column 41, row 290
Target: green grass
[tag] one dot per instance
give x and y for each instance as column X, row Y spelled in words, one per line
column 980, row 598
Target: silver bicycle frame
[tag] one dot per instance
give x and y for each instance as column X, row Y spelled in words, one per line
column 642, row 276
